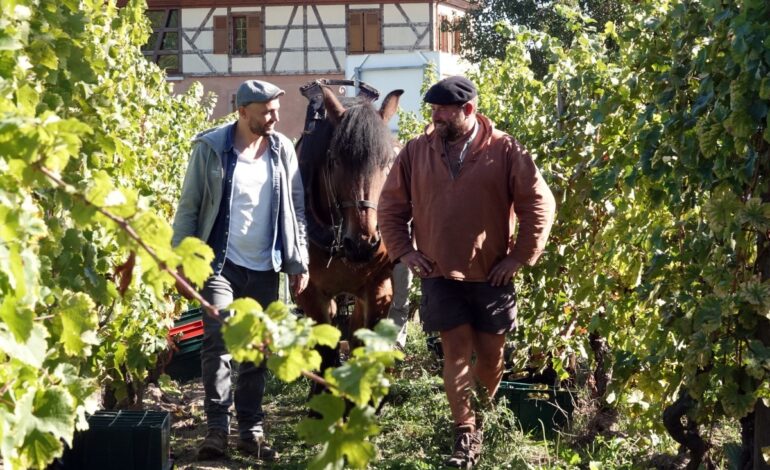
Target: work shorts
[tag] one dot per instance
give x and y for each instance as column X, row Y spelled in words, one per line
column 447, row 304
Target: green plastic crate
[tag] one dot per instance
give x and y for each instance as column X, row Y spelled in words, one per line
column 186, row 363
column 122, row 440
column 540, row 410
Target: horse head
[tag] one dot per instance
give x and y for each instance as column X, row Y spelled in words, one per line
column 359, row 156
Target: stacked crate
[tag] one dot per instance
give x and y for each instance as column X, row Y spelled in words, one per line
column 122, row 440
column 187, row 337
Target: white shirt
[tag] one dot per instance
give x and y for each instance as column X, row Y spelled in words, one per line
column 251, row 236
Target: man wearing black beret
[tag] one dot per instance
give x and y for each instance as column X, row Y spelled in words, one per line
column 463, row 184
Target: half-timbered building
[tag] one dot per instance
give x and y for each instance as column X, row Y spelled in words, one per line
column 220, row 43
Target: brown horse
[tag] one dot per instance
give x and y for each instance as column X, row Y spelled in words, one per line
column 344, row 161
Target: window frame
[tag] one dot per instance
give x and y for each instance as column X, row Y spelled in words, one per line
column 154, row 55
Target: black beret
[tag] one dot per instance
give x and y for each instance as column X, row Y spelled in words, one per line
column 451, row 90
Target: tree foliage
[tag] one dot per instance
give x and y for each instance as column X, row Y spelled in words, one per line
column 483, row 39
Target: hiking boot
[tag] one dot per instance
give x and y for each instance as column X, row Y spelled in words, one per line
column 258, row 447
column 214, row 445
column 467, row 449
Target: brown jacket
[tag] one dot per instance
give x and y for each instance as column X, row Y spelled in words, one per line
column 465, row 224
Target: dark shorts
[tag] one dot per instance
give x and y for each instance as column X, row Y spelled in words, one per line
column 447, row 304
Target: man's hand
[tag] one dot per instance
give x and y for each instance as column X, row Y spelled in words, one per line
column 502, row 273
column 420, row 264
column 298, row 283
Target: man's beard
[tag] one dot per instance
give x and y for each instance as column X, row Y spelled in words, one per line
column 260, row 129
column 448, row 130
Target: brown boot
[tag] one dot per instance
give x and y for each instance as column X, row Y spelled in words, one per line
column 467, row 448
column 258, row 447
column 214, row 445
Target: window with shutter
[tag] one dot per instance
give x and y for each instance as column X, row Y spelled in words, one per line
column 240, row 35
column 364, row 31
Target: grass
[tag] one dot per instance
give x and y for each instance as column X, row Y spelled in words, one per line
column 415, row 429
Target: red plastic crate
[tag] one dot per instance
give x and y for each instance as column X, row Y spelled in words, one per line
column 188, row 331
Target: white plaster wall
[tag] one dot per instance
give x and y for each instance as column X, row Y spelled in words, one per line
column 247, row 64
column 417, row 13
column 323, row 60
column 192, row 17
column 290, row 62
column 279, row 16
column 402, row 37
column 330, row 14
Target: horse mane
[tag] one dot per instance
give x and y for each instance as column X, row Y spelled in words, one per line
column 365, row 138
column 361, row 143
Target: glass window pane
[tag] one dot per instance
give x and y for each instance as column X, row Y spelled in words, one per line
column 170, row 41
column 156, row 18
column 168, row 62
column 239, row 35
column 173, row 21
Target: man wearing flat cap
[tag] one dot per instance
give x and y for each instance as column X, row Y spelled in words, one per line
column 464, row 184
column 242, row 194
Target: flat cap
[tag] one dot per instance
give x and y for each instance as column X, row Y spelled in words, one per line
column 451, row 90
column 256, row 91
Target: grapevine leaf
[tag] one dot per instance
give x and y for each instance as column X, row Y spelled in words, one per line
column 196, row 259
column 79, row 322
column 32, row 351
column 331, row 409
column 325, row 335
column 289, row 364
column 54, row 413
column 18, row 319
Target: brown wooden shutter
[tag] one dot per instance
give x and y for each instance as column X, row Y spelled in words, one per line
column 220, row 35
column 456, row 45
column 254, row 35
column 372, row 32
column 355, row 32
column 443, row 35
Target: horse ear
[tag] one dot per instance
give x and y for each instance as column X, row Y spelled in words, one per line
column 390, row 104
column 334, row 109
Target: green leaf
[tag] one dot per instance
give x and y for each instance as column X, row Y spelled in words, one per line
column 331, row 409
column 18, row 319
column 383, row 338
column 39, row 448
column 243, row 331
column 356, row 379
column 54, row 413
column 756, row 215
column 325, row 335
column 79, row 323
column 196, row 259
column 289, row 364
column 32, row 351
